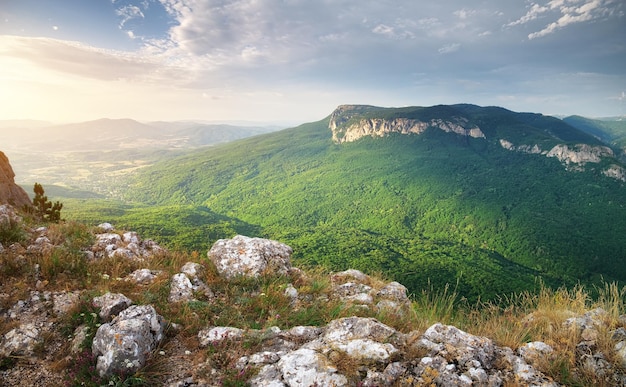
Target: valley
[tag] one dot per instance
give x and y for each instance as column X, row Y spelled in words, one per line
column 490, row 214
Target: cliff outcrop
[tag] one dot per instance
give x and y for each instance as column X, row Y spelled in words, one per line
column 10, row 193
column 348, row 124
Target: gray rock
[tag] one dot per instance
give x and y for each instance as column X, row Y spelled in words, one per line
column 307, row 368
column 212, row 336
column 181, row 289
column 185, row 284
column 63, row 302
column 251, row 257
column 143, row 276
column 21, row 341
column 124, row 344
column 111, row 304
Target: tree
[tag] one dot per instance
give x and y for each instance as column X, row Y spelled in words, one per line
column 44, row 208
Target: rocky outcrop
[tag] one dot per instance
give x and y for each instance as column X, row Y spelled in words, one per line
column 580, row 153
column 124, row 344
column 347, row 125
column 616, row 172
column 11, row 193
column 188, row 282
column 251, row 257
column 125, row 245
column 573, row 157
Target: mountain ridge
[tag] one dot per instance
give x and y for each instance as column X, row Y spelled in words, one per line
column 436, row 206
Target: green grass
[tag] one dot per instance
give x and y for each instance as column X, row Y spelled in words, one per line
column 259, row 303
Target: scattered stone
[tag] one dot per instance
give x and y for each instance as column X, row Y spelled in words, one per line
column 21, row 341
column 216, row 335
column 111, row 304
column 250, row 257
column 181, row 288
column 124, row 344
column 185, row 284
column 143, row 276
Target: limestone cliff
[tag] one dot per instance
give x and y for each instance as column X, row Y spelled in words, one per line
column 351, row 122
column 574, row 157
column 10, row 193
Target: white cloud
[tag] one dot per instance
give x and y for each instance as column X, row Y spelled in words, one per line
column 449, row 48
column 127, row 13
column 571, row 12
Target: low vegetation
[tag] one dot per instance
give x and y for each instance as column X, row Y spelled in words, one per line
column 261, row 303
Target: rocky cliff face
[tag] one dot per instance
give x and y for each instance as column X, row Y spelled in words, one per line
column 10, row 192
column 574, row 157
column 347, row 126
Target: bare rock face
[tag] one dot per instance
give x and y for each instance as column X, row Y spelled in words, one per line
column 347, row 125
column 250, row 256
column 11, row 193
column 580, row 153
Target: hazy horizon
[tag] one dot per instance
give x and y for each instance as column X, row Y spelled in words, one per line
column 295, row 61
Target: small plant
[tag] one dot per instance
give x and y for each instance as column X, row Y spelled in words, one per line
column 44, row 208
column 11, row 231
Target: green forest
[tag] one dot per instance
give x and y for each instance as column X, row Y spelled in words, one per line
column 426, row 210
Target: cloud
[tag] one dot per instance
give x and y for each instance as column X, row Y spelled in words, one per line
column 570, row 11
column 78, row 59
column 127, row 13
column 449, row 48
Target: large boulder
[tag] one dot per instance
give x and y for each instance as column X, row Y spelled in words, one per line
column 11, row 193
column 251, row 257
column 123, row 345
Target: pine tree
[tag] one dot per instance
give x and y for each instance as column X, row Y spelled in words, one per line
column 44, row 208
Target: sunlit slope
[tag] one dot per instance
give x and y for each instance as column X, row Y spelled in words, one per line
column 433, row 207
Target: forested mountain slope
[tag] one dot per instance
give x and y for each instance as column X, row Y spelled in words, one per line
column 483, row 197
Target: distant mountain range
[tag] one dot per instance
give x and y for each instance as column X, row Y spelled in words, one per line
column 482, row 197
column 91, row 156
column 117, row 134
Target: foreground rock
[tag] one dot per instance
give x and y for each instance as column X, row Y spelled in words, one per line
column 251, row 257
column 127, row 245
column 124, row 345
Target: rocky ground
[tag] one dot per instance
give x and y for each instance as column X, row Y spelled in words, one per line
column 101, row 337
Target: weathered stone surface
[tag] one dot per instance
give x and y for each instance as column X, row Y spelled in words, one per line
column 181, row 288
column 346, row 128
column 143, row 276
column 215, row 335
column 307, row 368
column 251, row 257
column 185, row 284
column 111, row 304
column 63, row 302
column 21, row 341
column 129, row 245
column 125, row 344
column 10, row 193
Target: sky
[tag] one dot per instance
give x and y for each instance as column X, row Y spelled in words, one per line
column 294, row 61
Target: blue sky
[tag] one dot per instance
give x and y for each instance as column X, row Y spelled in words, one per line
column 296, row 60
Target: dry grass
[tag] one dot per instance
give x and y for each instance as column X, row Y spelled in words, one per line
column 258, row 303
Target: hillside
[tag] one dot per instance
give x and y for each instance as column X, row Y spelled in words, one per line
column 101, row 306
column 610, row 130
column 526, row 199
